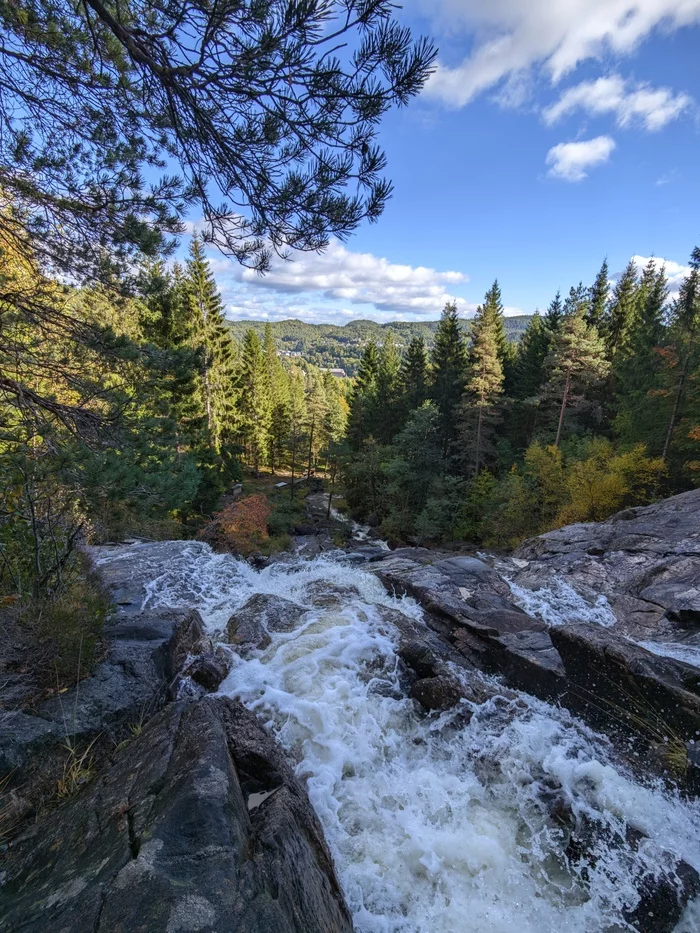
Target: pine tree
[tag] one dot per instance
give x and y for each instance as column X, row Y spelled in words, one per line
column 598, row 299
column 316, row 410
column 449, row 372
column 483, row 388
column 386, row 395
column 255, row 402
column 623, row 307
column 278, row 389
column 492, row 311
column 360, row 423
column 529, row 368
column 577, row 301
column 639, row 372
column 413, row 377
column 576, row 363
column 297, row 421
column 685, row 324
column 210, row 337
column 554, row 314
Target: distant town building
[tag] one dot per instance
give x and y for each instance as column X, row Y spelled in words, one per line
column 338, row 373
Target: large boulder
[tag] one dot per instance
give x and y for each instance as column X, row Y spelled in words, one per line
column 199, row 825
column 146, row 651
column 250, row 626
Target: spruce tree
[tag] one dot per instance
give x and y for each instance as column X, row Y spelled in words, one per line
column 386, row 396
column 448, row 373
column 598, row 299
column 623, row 306
column 297, row 422
column 483, row 388
column 492, row 312
column 210, row 337
column 278, row 388
column 577, row 301
column 639, row 372
column 362, row 408
column 685, row 324
column 554, row 314
column 576, row 363
column 413, row 377
column 255, row 402
column 316, row 411
column 529, row 368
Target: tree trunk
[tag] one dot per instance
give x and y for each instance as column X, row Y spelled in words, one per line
column 294, row 460
column 676, row 406
column 479, row 422
column 564, row 400
column 311, row 448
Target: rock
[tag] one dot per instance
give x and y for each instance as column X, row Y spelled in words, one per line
column 654, row 698
column 663, row 899
column 305, row 529
column 145, row 653
column 437, row 693
column 330, row 595
column 199, row 824
column 250, row 626
column 208, row 670
column 646, row 560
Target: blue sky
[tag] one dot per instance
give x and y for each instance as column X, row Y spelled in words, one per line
column 554, row 133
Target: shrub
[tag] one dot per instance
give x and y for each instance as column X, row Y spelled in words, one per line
column 241, row 527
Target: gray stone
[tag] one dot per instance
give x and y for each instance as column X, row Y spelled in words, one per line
column 250, row 626
column 165, row 842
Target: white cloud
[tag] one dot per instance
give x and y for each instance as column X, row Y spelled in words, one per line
column 514, row 36
column 360, row 278
column 675, row 271
column 569, row 161
column 631, row 104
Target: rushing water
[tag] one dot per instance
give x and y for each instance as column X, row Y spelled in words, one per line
column 437, row 824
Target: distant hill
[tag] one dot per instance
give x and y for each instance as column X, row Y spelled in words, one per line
column 331, row 346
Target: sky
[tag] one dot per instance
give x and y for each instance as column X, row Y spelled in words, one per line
column 553, row 134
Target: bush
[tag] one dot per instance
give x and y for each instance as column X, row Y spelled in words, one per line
column 241, row 527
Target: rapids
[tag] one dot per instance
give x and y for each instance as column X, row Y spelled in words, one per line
column 437, row 824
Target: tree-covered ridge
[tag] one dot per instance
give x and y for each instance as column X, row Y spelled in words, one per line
column 331, row 346
column 489, row 441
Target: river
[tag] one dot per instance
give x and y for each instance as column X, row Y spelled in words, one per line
column 437, row 823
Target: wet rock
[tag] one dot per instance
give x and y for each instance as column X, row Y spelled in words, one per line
column 663, row 898
column 654, row 697
column 437, row 693
column 167, row 840
column 330, row 595
column 250, row 626
column 305, row 529
column 209, row 670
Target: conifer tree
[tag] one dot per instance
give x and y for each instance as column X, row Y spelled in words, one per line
column 448, row 372
column 576, row 363
column 209, row 335
column 598, row 299
column 554, row 313
column 255, row 402
column 483, row 388
column 685, row 324
column 316, row 410
column 360, row 424
column 623, row 306
column 278, row 388
column 492, row 311
column 386, row 395
column 639, row 372
column 297, row 421
column 529, row 368
column 577, row 301
column 413, row 377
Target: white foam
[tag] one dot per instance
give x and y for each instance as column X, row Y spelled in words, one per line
column 690, row 654
column 436, row 825
column 560, row 604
